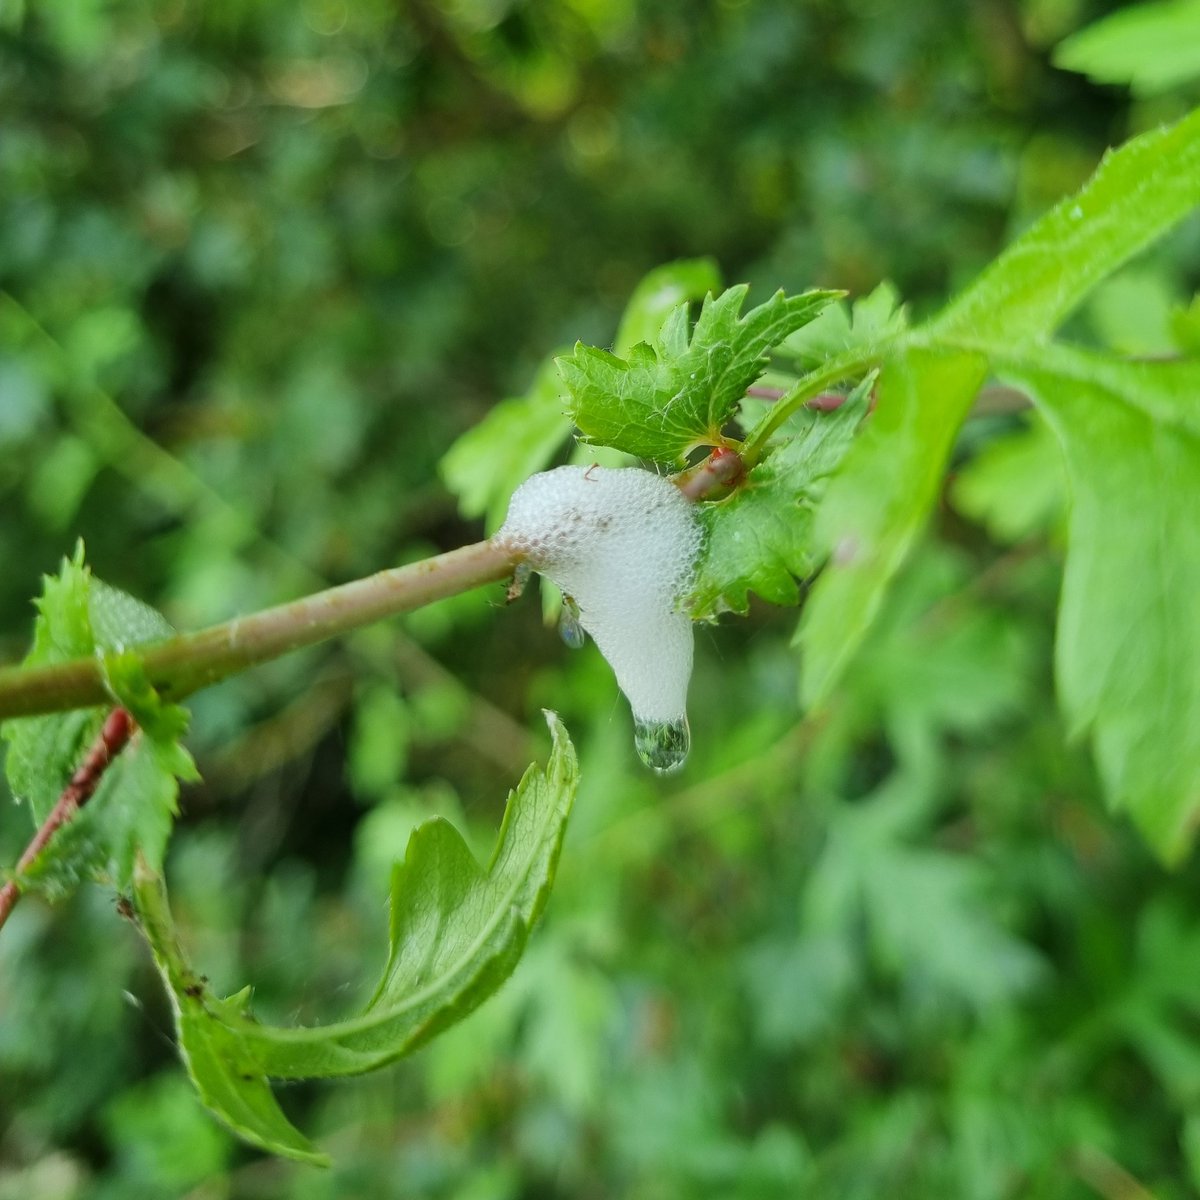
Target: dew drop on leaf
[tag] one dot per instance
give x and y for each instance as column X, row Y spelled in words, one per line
column 662, row 745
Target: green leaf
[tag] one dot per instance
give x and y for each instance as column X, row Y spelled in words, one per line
column 457, row 932
column 657, row 296
column 760, row 537
column 660, row 402
column 1128, row 645
column 225, row 1079
column 119, row 619
column 516, row 439
column 876, row 506
column 1185, row 327
column 43, row 752
column 878, row 501
column 1132, row 313
column 135, row 802
column 1137, row 193
column 841, row 329
column 868, row 863
column 520, row 435
column 1015, row 486
column 63, row 629
column 1151, row 47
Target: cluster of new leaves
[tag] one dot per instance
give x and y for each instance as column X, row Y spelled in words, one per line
column 853, row 493
column 667, row 399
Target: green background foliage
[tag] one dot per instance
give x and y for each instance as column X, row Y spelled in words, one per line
column 261, row 265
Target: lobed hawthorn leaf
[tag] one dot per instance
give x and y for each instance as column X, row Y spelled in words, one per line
column 1128, row 642
column 659, row 293
column 879, row 499
column 867, row 862
column 760, row 537
column 869, row 321
column 662, row 401
column 457, row 932
column 135, row 803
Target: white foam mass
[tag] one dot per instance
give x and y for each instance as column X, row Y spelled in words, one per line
column 623, row 544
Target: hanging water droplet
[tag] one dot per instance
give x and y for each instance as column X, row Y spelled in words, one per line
column 662, row 745
column 569, row 628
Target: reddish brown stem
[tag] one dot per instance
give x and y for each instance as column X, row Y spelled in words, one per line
column 827, row 401
column 822, row 402
column 110, row 741
column 710, row 478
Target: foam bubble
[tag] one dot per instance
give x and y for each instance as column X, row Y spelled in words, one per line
column 623, row 544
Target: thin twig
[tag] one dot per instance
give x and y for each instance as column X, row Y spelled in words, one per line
column 110, row 741
column 1107, row 1177
column 181, row 665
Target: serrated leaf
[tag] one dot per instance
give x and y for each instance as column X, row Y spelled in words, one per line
column 760, row 537
column 119, row 619
column 838, row 329
column 520, row 435
column 132, row 811
column 230, row 1086
column 878, row 501
column 876, row 506
column 457, row 932
column 63, row 629
column 136, row 800
column 1151, row 47
column 1128, row 644
column 1136, row 194
column 659, row 294
column 662, row 401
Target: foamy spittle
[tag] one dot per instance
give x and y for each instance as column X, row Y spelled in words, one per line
column 623, row 544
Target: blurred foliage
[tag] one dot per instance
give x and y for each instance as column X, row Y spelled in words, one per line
column 261, row 264
column 1152, row 47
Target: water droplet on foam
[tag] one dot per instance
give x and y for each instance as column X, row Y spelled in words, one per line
column 662, row 745
column 569, row 628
